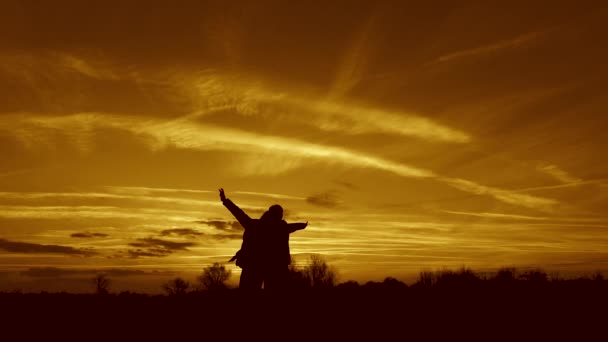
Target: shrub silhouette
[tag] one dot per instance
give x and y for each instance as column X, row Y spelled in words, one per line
column 214, row 277
column 177, row 286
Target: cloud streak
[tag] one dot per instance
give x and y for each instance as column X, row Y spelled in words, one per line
column 87, row 235
column 185, row 232
column 506, row 196
column 34, row 248
column 490, row 48
column 559, row 174
column 184, row 133
column 58, row 272
column 153, row 247
column 325, row 200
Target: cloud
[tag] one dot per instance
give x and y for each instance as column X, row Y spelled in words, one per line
column 66, row 212
column 56, row 272
column 351, row 69
column 222, row 225
column 143, row 253
column 230, row 230
column 325, row 200
column 116, row 193
column 142, row 190
column 88, row 235
column 497, row 215
column 558, row 174
column 211, row 91
column 186, row 232
column 268, row 195
column 34, row 248
column 169, row 246
column 506, row 196
column 490, row 48
column 348, row 185
column 231, row 236
column 601, row 182
column 154, row 247
column 184, row 133
column 217, row 224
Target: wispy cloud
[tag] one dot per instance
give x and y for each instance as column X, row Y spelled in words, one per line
column 506, row 196
column 497, row 215
column 59, row 272
column 490, row 48
column 350, row 70
column 212, row 91
column 150, row 190
column 87, row 235
column 559, row 174
column 97, row 212
column 325, row 200
column 602, row 182
column 34, row 248
column 186, row 134
column 153, row 247
column 222, row 225
column 186, row 232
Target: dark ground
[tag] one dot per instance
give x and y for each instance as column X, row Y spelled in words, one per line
column 517, row 310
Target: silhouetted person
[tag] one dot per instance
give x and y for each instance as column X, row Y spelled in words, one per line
column 264, row 256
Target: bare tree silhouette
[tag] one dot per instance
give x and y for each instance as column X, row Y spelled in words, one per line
column 214, row 277
column 177, row 286
column 319, row 273
column 102, row 284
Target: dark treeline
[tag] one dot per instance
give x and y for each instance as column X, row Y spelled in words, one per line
column 508, row 304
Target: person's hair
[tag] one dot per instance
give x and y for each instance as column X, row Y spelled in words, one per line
column 275, row 212
column 277, row 209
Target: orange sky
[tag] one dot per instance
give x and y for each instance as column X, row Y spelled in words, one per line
column 410, row 135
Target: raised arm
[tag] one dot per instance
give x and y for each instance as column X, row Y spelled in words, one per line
column 237, row 212
column 292, row 227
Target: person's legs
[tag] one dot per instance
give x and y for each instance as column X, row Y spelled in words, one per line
column 251, row 279
column 275, row 278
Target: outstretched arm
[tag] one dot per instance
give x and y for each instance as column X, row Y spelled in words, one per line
column 237, row 212
column 292, row 227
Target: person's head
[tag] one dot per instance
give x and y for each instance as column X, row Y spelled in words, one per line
column 275, row 212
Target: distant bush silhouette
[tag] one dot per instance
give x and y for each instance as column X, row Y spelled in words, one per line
column 462, row 278
column 177, row 286
column 348, row 285
column 214, row 277
column 536, row 276
column 391, row 283
column 448, row 279
column 505, row 275
column 102, row 284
